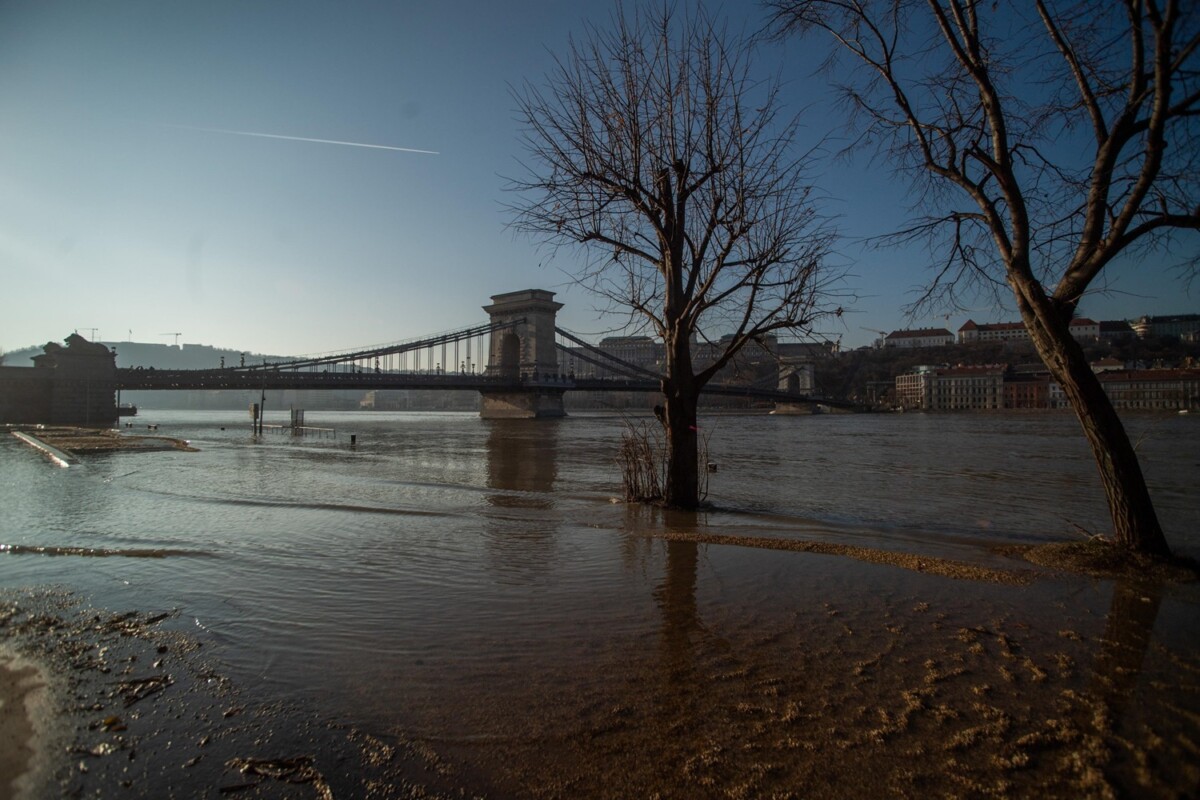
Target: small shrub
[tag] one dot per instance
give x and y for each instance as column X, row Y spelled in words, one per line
column 643, row 462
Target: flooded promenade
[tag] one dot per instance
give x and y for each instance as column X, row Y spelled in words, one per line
column 470, row 597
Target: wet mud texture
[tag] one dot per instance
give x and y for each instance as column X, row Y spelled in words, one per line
column 144, row 713
column 944, row 567
column 917, row 696
column 924, row 693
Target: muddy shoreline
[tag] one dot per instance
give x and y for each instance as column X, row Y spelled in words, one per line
column 932, row 699
column 138, row 709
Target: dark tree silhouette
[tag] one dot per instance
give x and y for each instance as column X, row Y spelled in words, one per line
column 1043, row 143
column 655, row 147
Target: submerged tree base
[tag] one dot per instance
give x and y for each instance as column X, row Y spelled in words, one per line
column 644, row 463
column 1102, row 558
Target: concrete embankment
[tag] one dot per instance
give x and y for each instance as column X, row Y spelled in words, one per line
column 63, row 459
column 65, row 444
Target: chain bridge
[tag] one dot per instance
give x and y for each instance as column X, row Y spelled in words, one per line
column 519, row 361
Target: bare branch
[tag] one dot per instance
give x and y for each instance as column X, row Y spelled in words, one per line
column 1074, row 137
column 657, row 149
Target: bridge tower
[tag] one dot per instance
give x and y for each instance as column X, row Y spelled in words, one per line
column 72, row 385
column 523, row 357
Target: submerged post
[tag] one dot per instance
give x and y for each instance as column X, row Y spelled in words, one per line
column 522, row 359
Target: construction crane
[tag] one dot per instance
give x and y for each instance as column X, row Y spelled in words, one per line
column 882, row 335
column 176, row 335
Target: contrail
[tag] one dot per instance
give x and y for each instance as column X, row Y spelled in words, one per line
column 306, row 139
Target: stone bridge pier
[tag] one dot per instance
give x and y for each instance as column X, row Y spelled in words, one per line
column 523, row 358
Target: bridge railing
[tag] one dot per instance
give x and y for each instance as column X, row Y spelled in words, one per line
column 382, row 351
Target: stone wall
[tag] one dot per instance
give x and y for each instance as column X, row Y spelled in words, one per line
column 25, row 395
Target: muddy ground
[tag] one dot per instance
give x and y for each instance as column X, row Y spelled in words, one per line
column 142, row 711
column 942, row 695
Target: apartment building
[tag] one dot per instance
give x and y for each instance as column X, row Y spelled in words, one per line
column 1153, row 389
column 961, row 388
column 914, row 390
column 973, row 388
column 995, row 386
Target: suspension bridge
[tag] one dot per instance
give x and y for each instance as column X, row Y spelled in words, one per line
column 519, row 361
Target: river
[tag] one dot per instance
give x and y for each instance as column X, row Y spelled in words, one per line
column 476, row 586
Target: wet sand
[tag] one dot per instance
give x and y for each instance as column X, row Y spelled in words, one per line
column 25, row 714
column 141, row 711
column 947, row 568
column 969, row 691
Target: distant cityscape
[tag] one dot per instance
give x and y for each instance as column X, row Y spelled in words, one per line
column 1151, row 363
column 1185, row 327
column 1170, row 383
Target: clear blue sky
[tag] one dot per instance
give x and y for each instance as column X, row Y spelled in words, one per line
column 123, row 207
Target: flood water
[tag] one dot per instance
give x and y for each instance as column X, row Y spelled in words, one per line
column 476, row 586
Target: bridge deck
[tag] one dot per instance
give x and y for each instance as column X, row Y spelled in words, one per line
column 277, row 380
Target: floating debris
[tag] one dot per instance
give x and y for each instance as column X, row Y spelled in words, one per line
column 289, row 770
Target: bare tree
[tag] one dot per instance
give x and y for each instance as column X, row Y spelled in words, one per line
column 655, row 147
column 1044, row 142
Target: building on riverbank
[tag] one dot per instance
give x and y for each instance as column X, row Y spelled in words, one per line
column 1153, row 389
column 997, row 387
column 961, row 388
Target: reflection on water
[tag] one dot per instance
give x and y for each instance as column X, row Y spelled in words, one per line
column 1125, row 642
column 676, row 596
column 522, row 458
column 522, row 461
column 472, row 584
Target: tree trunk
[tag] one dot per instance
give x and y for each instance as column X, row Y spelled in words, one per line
column 1135, row 523
column 683, row 480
